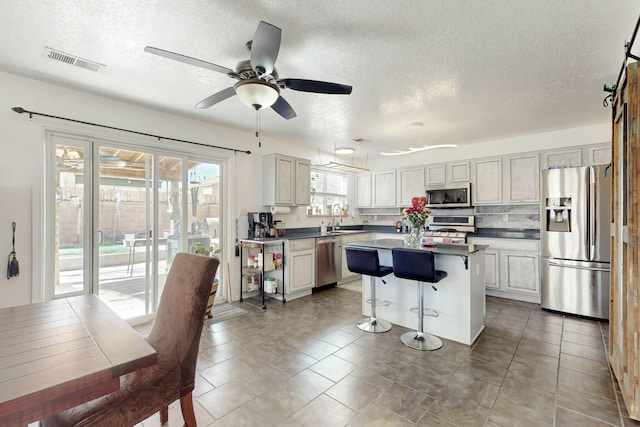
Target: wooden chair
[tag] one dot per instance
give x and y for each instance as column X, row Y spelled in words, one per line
column 176, row 337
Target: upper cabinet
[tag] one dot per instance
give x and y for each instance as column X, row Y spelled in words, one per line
column 303, row 182
column 363, row 190
column 447, row 172
column 487, row 182
column 458, row 172
column 506, row 180
column 286, row 180
column 522, row 179
column 384, row 189
column 410, row 184
column 435, row 174
column 600, row 155
column 562, row 158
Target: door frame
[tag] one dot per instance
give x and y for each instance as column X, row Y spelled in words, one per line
column 176, row 149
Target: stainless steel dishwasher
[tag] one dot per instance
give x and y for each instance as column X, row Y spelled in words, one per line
column 328, row 260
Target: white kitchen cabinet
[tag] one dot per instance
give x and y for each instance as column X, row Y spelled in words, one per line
column 511, row 268
column 346, row 239
column 522, row 179
column 435, row 174
column 280, row 183
column 562, row 158
column 600, row 155
column 487, row 182
column 507, row 180
column 447, row 172
column 363, row 190
column 521, row 272
column 411, row 184
column 384, row 189
column 492, row 269
column 303, row 182
column 300, row 257
column 458, row 172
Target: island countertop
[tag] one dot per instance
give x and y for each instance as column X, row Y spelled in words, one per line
column 439, row 248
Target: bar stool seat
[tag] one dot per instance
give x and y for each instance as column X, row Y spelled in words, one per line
column 418, row 265
column 366, row 261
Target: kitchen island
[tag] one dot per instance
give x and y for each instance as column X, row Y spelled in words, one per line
column 459, row 299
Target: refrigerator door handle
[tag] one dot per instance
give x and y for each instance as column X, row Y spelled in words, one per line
column 577, row 267
column 592, row 213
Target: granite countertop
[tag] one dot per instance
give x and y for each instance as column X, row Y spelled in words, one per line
column 313, row 234
column 439, row 248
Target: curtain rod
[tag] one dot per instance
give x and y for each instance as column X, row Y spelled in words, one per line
column 21, row 110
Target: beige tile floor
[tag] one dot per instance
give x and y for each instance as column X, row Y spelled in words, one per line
column 305, row 363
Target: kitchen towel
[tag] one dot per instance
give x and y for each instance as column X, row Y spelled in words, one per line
column 280, row 210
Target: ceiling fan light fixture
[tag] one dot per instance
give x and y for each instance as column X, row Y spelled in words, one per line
column 344, row 150
column 257, row 94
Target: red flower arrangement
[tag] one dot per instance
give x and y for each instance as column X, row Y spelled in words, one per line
column 417, row 213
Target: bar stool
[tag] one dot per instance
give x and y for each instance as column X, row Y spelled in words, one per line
column 418, row 265
column 366, row 261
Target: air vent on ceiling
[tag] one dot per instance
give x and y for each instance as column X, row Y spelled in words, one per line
column 57, row 55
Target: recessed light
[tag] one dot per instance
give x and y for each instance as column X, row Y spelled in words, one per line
column 344, row 150
column 415, row 125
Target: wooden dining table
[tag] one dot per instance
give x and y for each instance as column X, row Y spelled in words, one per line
column 61, row 353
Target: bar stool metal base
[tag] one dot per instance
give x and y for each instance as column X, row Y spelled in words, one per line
column 421, row 341
column 374, row 325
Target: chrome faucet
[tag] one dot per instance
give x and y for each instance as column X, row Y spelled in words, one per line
column 333, row 219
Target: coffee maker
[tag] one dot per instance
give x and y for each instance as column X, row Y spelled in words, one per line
column 260, row 225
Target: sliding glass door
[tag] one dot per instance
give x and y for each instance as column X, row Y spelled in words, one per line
column 119, row 217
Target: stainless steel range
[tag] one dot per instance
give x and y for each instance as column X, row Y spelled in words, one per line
column 448, row 229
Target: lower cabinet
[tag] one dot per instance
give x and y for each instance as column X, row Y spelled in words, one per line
column 300, row 266
column 512, row 268
column 346, row 239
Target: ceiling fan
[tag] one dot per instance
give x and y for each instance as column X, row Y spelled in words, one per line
column 258, row 84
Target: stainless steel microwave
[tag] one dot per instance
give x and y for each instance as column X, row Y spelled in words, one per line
column 449, row 195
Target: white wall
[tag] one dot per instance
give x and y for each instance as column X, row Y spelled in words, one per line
column 593, row 134
column 21, row 166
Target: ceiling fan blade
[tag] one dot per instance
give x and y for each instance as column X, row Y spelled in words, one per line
column 316, row 86
column 216, row 97
column 265, row 47
column 192, row 61
column 283, row 108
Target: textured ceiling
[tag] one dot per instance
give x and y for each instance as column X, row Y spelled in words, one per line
column 469, row 71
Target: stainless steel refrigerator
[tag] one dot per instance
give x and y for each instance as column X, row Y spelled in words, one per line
column 575, row 238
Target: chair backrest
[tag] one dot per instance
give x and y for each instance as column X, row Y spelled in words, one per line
column 413, row 264
column 176, row 330
column 363, row 261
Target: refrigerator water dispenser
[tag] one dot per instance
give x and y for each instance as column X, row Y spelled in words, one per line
column 558, row 211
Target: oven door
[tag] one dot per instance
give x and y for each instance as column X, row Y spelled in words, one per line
column 449, row 196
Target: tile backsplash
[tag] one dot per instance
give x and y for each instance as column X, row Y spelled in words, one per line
column 508, row 216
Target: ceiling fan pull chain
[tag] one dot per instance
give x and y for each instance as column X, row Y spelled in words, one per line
column 258, row 128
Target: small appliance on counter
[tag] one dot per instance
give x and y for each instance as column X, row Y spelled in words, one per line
column 260, row 225
column 448, row 229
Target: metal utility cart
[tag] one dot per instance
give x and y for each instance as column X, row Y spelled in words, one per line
column 267, row 259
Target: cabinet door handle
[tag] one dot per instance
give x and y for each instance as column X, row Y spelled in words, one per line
column 577, row 267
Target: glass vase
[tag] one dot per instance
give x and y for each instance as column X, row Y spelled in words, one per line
column 415, row 238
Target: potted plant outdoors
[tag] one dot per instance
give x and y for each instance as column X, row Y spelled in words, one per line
column 200, row 249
